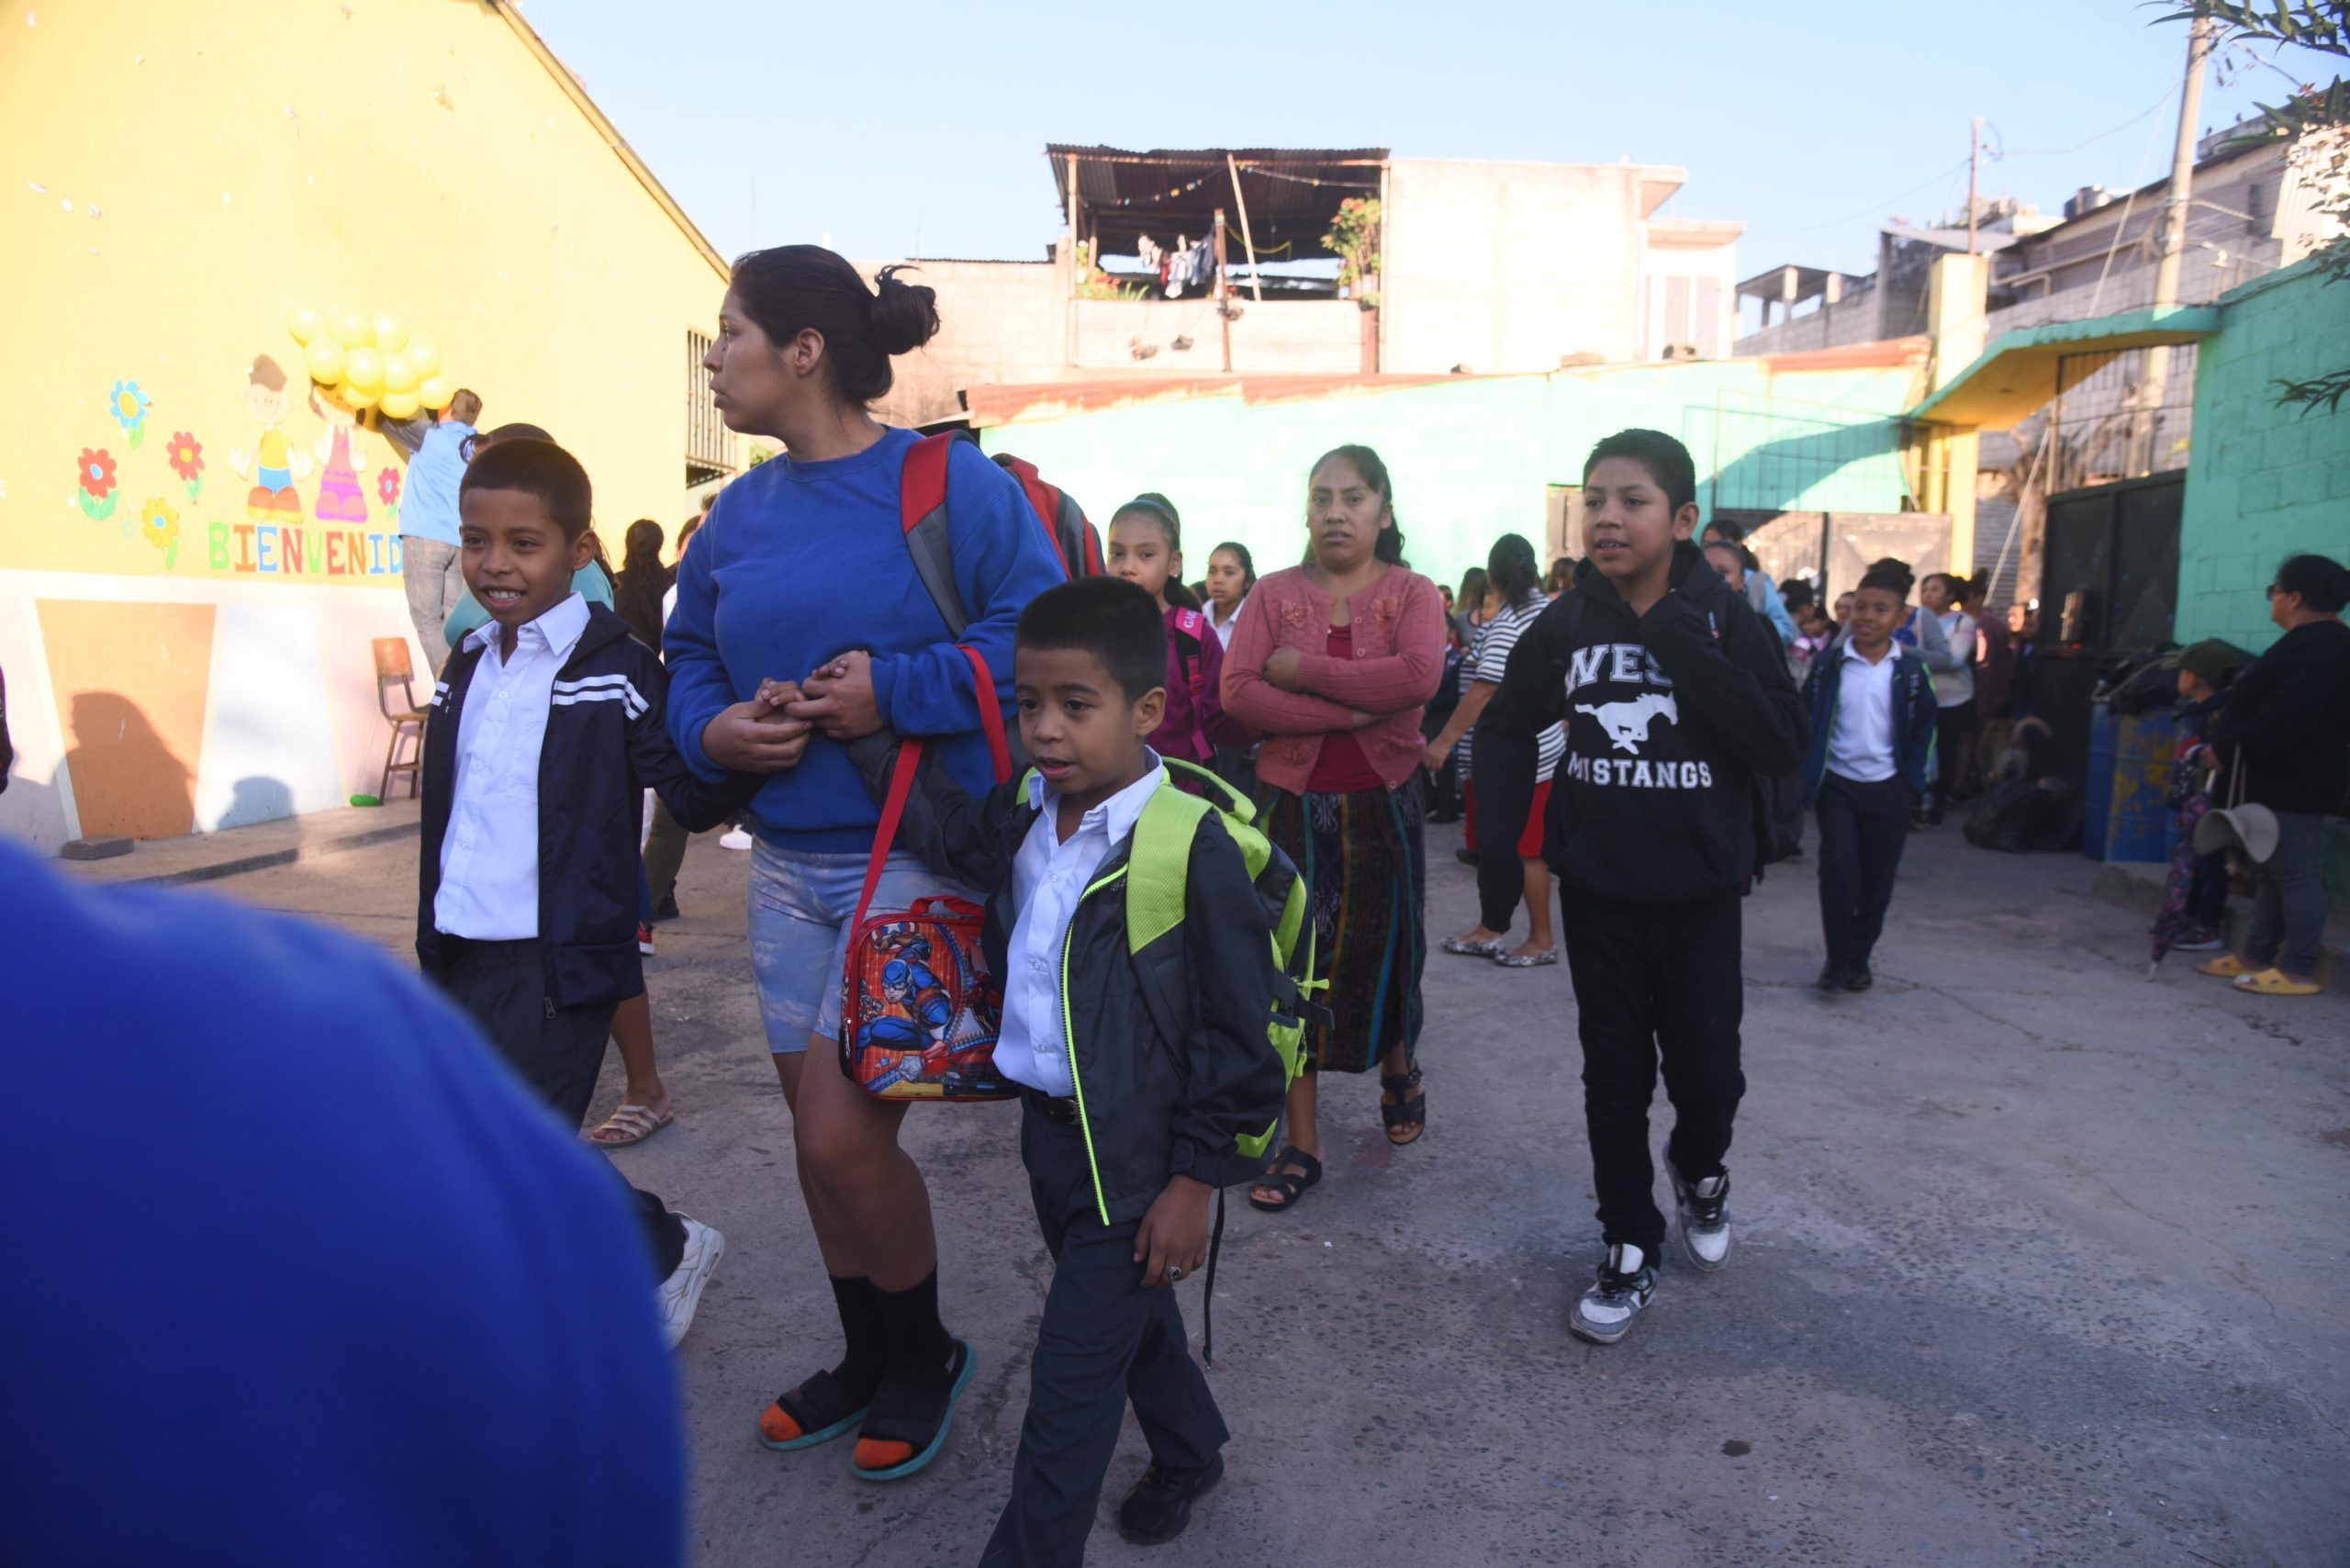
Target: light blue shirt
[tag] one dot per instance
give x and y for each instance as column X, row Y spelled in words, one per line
column 1049, row 877
column 429, row 509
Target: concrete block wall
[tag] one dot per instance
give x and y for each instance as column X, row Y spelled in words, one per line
column 2265, row 480
column 999, row 322
column 1282, row 337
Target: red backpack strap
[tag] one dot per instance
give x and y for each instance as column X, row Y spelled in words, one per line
column 990, row 714
column 922, row 514
column 893, row 811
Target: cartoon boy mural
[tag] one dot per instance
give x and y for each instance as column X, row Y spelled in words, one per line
column 274, row 463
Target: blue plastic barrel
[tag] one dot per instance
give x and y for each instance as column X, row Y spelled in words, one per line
column 2139, row 822
column 2096, row 789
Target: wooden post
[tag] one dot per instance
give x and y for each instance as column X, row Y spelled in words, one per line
column 1222, row 292
column 1068, row 297
column 1255, row 291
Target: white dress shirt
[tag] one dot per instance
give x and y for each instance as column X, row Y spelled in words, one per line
column 489, row 860
column 1223, row 629
column 1860, row 747
column 1048, row 878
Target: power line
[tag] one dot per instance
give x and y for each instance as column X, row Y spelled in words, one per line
column 1875, row 206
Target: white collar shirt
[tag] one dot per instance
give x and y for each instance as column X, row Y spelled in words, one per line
column 1860, row 742
column 1224, row 627
column 489, row 856
column 1049, row 877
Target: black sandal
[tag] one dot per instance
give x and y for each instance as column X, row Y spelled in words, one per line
column 821, row 1409
column 1290, row 1184
column 914, row 1414
column 1406, row 1110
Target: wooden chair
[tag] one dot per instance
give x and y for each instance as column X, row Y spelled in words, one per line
column 406, row 720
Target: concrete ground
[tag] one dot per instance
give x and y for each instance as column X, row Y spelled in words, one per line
column 2038, row 1262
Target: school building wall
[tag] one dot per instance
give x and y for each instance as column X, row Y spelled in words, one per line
column 1472, row 458
column 180, row 178
column 2264, row 480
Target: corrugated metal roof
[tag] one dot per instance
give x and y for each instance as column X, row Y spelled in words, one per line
column 1290, row 193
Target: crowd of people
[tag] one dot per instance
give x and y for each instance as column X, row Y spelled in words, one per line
column 1629, row 733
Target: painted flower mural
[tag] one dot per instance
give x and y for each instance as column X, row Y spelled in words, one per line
column 96, row 495
column 388, row 485
column 128, row 406
column 159, row 526
column 187, row 461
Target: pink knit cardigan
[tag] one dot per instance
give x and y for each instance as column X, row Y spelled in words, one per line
column 1398, row 660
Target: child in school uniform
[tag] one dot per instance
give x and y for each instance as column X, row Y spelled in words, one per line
column 547, row 722
column 1873, row 713
column 1126, row 1130
column 1146, row 548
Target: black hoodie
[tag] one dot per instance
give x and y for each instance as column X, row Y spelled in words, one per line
column 1670, row 717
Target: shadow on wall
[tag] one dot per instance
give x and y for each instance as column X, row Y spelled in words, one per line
column 125, row 781
column 257, row 800
column 1794, row 464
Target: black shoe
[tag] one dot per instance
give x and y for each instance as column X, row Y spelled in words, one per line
column 1466, row 856
column 1160, row 1508
column 1831, row 977
column 1444, row 814
column 667, row 909
column 1859, row 978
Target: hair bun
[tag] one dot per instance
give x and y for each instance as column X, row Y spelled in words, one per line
column 905, row 315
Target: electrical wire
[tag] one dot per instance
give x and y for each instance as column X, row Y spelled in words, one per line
column 1874, row 206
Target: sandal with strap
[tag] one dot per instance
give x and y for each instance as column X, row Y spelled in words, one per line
column 2273, row 982
column 629, row 1124
column 1290, row 1184
column 816, row 1412
column 1409, row 1107
column 907, row 1425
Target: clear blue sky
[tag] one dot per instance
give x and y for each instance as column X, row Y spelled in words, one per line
column 919, row 129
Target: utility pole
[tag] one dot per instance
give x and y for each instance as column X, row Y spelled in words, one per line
column 2170, row 245
column 1974, row 159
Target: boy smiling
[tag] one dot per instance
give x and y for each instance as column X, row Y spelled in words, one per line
column 1676, row 698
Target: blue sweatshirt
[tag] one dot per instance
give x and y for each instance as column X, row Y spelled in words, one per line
column 300, row 1272
column 429, row 509
column 802, row 562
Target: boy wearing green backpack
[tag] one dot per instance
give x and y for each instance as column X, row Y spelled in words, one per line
column 1151, row 1021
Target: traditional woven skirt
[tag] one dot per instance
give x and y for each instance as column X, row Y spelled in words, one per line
column 1366, row 876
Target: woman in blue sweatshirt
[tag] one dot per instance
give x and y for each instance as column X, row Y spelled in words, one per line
column 802, row 574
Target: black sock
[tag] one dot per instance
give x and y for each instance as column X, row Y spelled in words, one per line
column 918, row 1340
column 867, row 1335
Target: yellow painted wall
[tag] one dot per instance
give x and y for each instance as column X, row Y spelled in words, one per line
column 173, row 179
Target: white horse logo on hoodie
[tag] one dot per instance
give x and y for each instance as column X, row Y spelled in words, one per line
column 1627, row 724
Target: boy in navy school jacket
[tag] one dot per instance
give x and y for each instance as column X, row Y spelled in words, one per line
column 1134, row 1101
column 546, row 724
column 1872, row 714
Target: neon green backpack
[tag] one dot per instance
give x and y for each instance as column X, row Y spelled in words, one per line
column 1159, row 866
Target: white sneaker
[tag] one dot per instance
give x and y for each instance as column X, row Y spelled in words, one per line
column 1705, row 1218
column 681, row 1291
column 1626, row 1282
column 734, row 838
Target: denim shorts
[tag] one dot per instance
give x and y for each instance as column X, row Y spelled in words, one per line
column 802, row 907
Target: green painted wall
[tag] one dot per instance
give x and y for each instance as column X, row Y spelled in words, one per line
column 2263, row 481
column 1473, row 459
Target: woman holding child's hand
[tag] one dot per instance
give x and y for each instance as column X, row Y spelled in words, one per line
column 1335, row 661
column 804, row 558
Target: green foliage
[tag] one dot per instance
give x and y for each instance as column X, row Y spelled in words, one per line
column 2316, row 119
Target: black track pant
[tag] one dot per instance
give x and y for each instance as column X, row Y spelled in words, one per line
column 1501, row 767
column 1655, row 984
column 557, row 1052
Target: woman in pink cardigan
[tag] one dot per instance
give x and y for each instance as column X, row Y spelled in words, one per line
column 1335, row 661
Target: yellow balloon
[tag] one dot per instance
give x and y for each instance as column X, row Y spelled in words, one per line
column 391, row 332
column 326, row 359
column 303, row 322
column 398, row 404
column 356, row 397
column 425, row 354
column 435, row 391
column 362, row 369
column 354, row 327
column 399, row 374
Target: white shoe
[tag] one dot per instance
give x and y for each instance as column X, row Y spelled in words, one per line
column 1705, row 1218
column 1626, row 1285
column 734, row 838
column 681, row 1291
